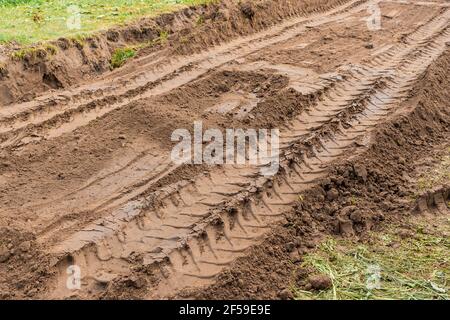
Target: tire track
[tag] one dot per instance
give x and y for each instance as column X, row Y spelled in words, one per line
column 197, row 228
column 298, row 177
column 102, row 192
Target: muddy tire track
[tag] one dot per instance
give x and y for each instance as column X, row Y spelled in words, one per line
column 36, row 121
column 135, row 211
column 192, row 230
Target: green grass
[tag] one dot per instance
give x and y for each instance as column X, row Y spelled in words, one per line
column 44, row 50
column 29, row 21
column 120, row 56
column 411, row 268
column 2, row 67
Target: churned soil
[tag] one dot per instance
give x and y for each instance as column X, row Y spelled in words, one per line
column 87, row 180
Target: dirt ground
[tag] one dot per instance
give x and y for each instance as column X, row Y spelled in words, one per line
column 86, row 177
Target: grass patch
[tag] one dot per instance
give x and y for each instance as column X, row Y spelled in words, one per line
column 29, row 21
column 121, row 55
column 391, row 267
column 43, row 51
column 200, row 20
column 3, row 69
column 163, row 36
column 79, row 39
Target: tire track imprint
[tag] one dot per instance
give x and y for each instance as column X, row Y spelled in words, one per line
column 192, row 230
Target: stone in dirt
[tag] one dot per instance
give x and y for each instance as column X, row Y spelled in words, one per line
column 4, row 254
column 360, row 172
column 290, row 246
column 295, row 256
column 357, row 216
column 345, row 226
column 346, row 211
column 320, row 282
column 25, row 246
column 405, row 234
column 285, row 294
column 332, row 194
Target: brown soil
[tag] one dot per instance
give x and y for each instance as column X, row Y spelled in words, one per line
column 85, row 170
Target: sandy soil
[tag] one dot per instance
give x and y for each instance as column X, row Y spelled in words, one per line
column 86, row 177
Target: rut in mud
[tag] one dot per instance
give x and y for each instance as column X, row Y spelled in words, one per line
column 86, row 174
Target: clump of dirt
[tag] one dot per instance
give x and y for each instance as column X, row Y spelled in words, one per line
column 25, row 72
column 319, row 282
column 358, row 195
